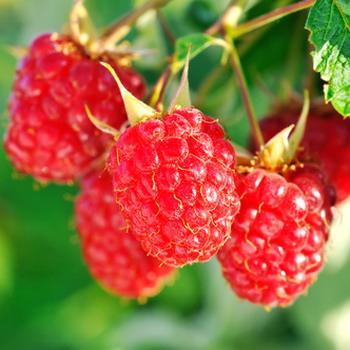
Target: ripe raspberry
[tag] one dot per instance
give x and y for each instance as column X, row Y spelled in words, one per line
column 50, row 136
column 277, row 244
column 174, row 180
column 112, row 254
column 326, row 140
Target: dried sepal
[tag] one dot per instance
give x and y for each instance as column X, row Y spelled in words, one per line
column 81, row 27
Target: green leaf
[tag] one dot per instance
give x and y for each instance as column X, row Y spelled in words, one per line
column 329, row 24
column 197, row 43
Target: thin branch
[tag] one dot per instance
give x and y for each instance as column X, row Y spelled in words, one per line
column 251, row 39
column 158, row 91
column 242, row 84
column 166, row 28
column 217, row 27
column 122, row 26
column 270, row 17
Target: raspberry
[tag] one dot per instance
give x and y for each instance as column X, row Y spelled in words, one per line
column 174, row 179
column 278, row 239
column 326, row 140
column 49, row 135
column 112, row 254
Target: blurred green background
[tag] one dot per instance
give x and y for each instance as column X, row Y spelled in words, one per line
column 48, row 300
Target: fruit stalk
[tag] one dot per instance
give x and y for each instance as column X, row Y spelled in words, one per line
column 121, row 27
column 159, row 88
column 237, row 67
column 167, row 32
column 270, row 17
column 217, row 27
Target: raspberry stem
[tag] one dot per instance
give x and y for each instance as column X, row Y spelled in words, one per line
column 166, row 30
column 121, row 27
column 270, row 17
column 160, row 86
column 241, row 81
column 217, row 27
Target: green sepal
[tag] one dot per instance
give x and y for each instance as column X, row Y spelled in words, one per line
column 100, row 125
column 136, row 110
column 182, row 97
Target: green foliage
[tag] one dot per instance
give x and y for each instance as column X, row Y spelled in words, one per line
column 329, row 24
column 195, row 44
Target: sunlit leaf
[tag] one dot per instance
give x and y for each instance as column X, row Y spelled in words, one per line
column 197, row 43
column 329, row 26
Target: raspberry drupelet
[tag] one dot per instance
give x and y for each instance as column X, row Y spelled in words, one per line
column 49, row 135
column 113, row 256
column 278, row 238
column 174, row 179
column 326, row 140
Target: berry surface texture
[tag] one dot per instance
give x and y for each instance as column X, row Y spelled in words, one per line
column 49, row 135
column 114, row 257
column 174, row 180
column 277, row 246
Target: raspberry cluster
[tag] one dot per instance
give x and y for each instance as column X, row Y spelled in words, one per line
column 172, row 192
column 112, row 254
column 174, row 180
column 49, row 135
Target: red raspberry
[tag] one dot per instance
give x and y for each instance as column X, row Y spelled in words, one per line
column 174, row 180
column 277, row 244
column 326, row 140
column 114, row 257
column 50, row 136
